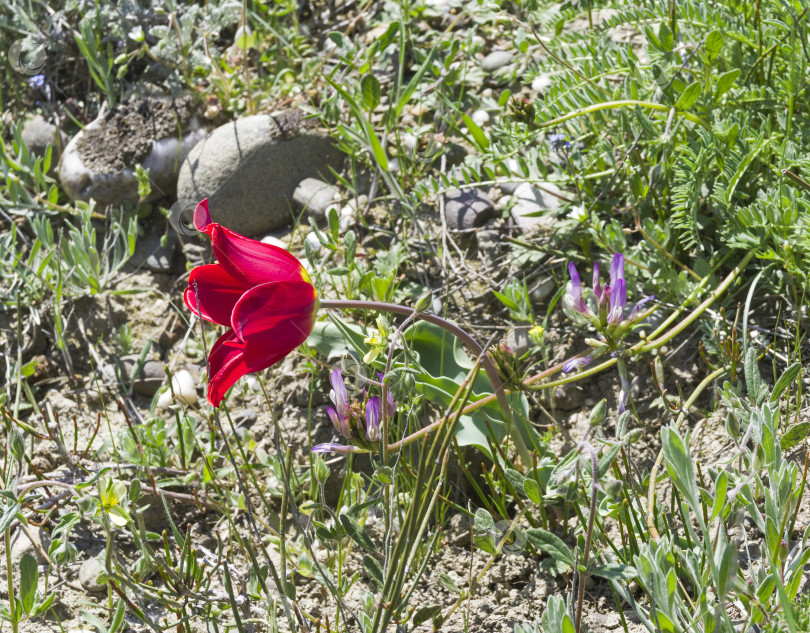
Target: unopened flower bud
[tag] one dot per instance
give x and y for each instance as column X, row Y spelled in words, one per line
column 16, row 444
column 321, row 470
column 521, row 110
column 784, row 548
column 598, row 413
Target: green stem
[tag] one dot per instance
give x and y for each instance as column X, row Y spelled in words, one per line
column 611, row 105
column 12, row 611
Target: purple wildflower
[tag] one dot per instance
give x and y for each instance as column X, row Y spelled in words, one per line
column 329, row 447
column 597, row 285
column 573, row 298
column 37, row 81
column 618, row 297
column 579, row 361
column 638, row 306
column 373, row 419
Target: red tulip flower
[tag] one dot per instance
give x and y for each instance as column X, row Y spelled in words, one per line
column 260, row 292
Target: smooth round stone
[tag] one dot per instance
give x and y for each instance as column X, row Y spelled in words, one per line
column 316, row 197
column 533, row 200
column 467, row 209
column 480, row 117
column 90, row 573
column 184, row 388
column 518, row 339
column 496, row 60
column 541, row 83
column 38, row 133
column 274, row 241
column 314, row 242
column 249, row 169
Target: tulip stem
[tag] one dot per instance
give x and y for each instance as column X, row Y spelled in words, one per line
column 452, row 328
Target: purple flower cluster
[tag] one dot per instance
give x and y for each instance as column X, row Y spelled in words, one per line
column 359, row 421
column 610, row 299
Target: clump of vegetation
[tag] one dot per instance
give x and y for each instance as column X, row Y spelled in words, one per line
column 493, row 399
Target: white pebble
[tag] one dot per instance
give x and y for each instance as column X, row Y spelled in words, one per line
column 348, row 218
column 541, row 83
column 274, row 241
column 185, row 391
column 409, row 142
column 480, row 117
column 314, row 242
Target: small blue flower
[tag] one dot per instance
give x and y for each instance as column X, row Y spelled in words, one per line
column 37, row 81
column 558, row 142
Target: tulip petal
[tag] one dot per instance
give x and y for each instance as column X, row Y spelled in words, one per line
column 216, row 291
column 202, row 217
column 226, row 364
column 250, row 261
column 264, row 307
column 254, row 262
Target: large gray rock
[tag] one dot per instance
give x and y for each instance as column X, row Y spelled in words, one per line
column 155, row 132
column 249, row 169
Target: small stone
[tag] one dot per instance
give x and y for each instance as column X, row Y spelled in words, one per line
column 316, row 197
column 152, row 254
column 488, row 240
column 21, row 544
column 378, row 240
column 155, row 132
column 274, row 241
column 313, row 241
column 518, row 339
column 467, row 209
column 496, row 60
column 38, row 133
column 347, row 217
column 91, row 575
column 409, row 142
column 534, row 200
column 171, row 330
column 480, row 117
column 184, row 388
column 148, row 380
column 544, row 289
column 541, row 83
